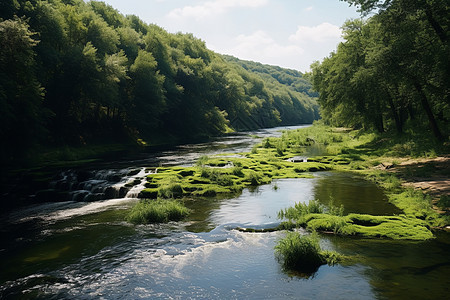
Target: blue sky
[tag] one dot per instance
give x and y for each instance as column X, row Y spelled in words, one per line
column 287, row 33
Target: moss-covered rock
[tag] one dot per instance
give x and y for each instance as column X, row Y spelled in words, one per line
column 393, row 227
column 223, row 175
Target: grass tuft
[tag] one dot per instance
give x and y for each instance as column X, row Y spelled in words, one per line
column 303, row 253
column 157, row 211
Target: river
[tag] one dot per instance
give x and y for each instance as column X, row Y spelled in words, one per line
column 86, row 250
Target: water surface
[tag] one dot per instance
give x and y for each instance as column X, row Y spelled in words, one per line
column 76, row 250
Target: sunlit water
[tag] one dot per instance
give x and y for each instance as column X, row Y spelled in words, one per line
column 75, row 250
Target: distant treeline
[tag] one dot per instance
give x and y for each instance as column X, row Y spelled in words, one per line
column 392, row 71
column 74, row 73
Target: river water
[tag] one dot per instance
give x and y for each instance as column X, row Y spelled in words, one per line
column 85, row 250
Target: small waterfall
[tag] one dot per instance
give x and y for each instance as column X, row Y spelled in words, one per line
column 136, row 189
column 89, row 186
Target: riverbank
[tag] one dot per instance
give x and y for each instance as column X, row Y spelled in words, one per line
column 44, row 258
column 430, row 175
column 287, row 157
column 21, row 179
column 414, row 171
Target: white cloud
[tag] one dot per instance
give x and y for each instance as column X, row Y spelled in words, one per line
column 211, row 8
column 320, row 33
column 309, row 8
column 261, row 47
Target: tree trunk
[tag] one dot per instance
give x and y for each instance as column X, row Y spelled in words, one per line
column 379, row 123
column 398, row 121
column 435, row 25
column 426, row 106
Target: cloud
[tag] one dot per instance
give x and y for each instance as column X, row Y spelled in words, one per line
column 320, row 33
column 307, row 44
column 211, row 8
column 309, row 8
column 262, row 47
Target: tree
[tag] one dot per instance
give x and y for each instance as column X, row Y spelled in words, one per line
column 390, row 66
column 147, row 101
column 21, row 94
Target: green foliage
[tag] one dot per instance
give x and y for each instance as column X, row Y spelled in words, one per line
column 237, row 171
column 112, row 78
column 301, row 209
column 303, row 253
column 170, row 190
column 21, row 94
column 201, row 161
column 393, row 227
column 214, row 176
column 444, row 201
column 157, row 211
column 391, row 71
column 254, row 178
column 293, row 97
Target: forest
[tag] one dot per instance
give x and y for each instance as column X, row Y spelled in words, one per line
column 392, row 72
column 75, row 73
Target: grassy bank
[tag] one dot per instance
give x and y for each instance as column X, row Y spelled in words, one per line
column 344, row 149
column 375, row 156
column 316, row 217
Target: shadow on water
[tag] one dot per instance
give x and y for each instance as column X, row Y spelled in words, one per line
column 356, row 194
column 401, row 269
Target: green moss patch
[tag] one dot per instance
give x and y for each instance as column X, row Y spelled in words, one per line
column 316, row 217
column 393, row 227
column 214, row 176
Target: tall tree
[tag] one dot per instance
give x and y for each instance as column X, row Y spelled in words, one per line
column 21, row 94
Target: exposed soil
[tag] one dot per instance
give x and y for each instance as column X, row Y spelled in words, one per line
column 430, row 175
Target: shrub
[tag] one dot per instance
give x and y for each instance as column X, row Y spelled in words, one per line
column 303, row 253
column 217, row 176
column 266, row 143
column 254, row 178
column 157, row 211
column 254, row 149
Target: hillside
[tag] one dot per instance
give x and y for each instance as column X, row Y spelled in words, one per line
column 75, row 73
column 292, row 92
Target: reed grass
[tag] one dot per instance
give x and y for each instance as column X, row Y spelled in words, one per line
column 303, row 253
column 157, row 211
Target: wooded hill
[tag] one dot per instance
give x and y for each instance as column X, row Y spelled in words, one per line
column 75, row 73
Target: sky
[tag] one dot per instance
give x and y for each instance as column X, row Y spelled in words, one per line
column 287, row 33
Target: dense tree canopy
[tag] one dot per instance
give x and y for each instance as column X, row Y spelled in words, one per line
column 393, row 68
column 291, row 91
column 73, row 72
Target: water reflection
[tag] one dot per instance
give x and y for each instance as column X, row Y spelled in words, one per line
column 356, row 194
column 401, row 269
column 262, row 205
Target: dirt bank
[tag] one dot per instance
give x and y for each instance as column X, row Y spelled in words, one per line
column 431, row 175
